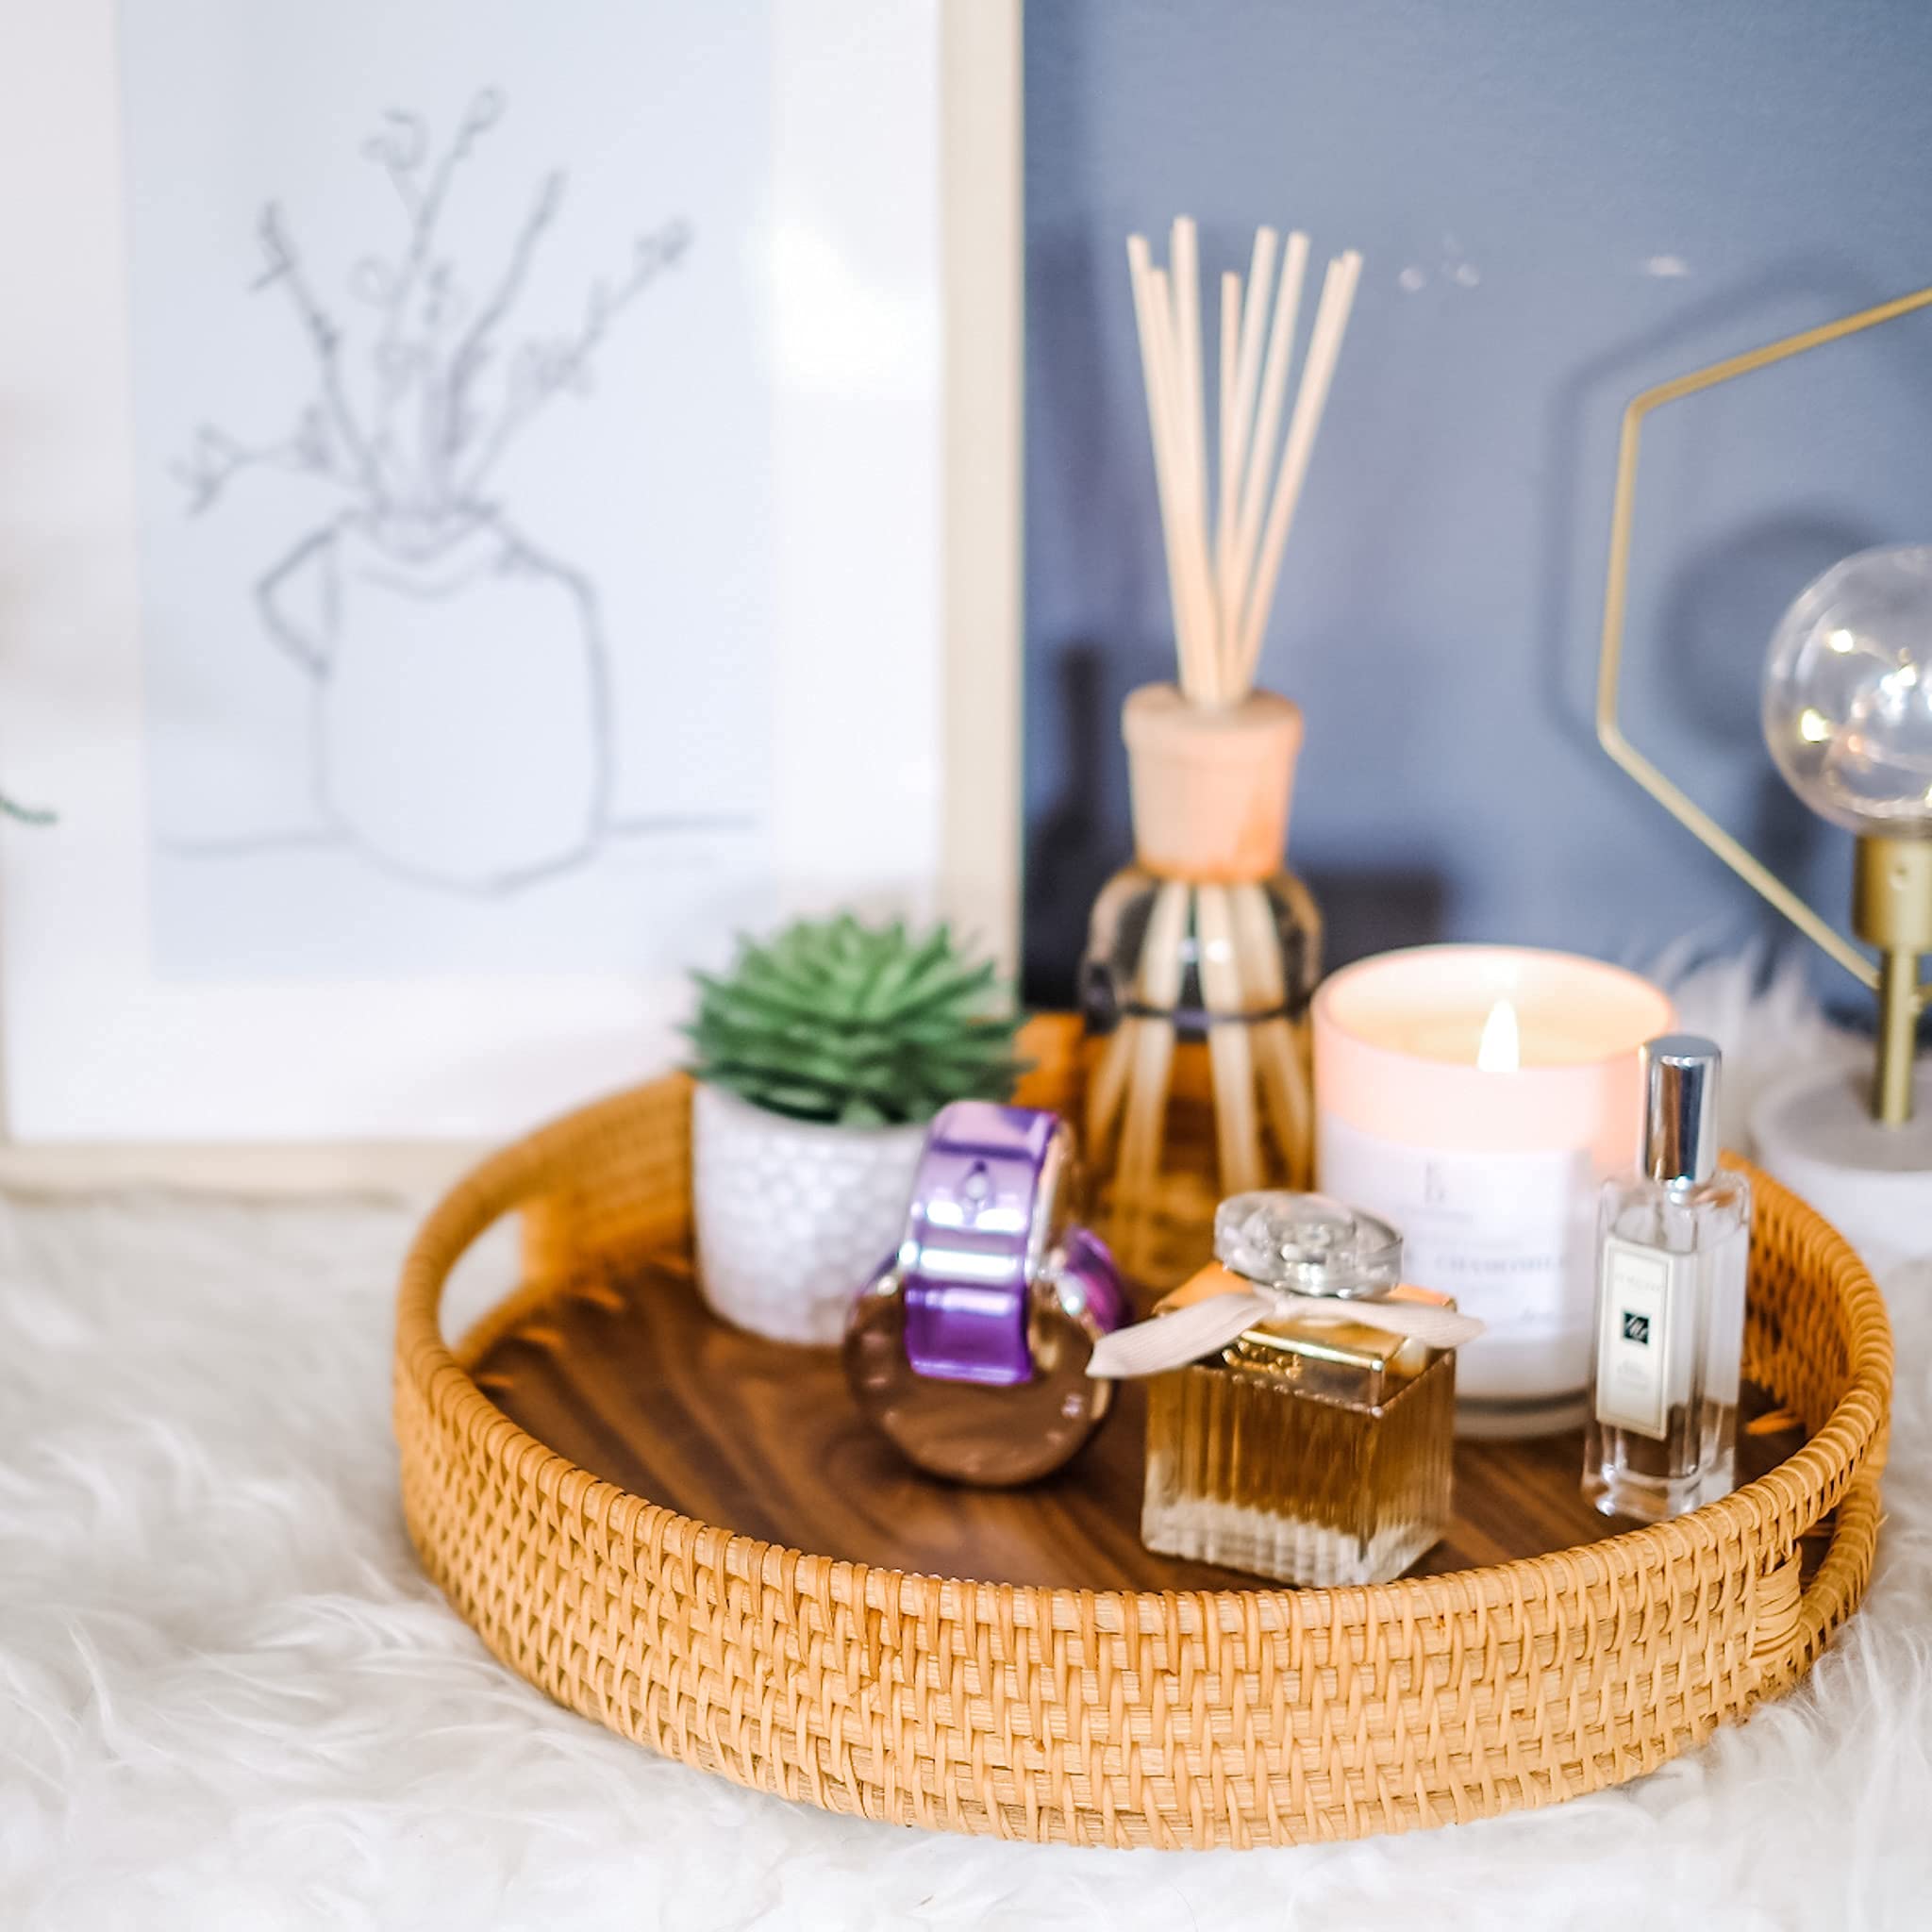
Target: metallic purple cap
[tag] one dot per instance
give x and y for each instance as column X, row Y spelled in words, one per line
column 1088, row 1275
column 988, row 1214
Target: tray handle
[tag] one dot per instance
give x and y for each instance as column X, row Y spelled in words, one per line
column 1793, row 1622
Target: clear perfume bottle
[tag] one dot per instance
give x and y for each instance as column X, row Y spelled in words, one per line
column 1315, row 1448
column 1673, row 1246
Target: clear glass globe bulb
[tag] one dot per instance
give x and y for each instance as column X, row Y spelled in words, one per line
column 1848, row 693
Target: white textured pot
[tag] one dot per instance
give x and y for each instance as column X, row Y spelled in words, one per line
column 792, row 1217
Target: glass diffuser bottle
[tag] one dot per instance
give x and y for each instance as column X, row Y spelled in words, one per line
column 1202, row 957
column 1203, row 953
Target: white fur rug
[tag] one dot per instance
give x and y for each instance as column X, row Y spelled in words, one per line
column 229, row 1700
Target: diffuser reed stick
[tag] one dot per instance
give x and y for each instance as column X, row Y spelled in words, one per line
column 1225, row 559
column 1226, row 514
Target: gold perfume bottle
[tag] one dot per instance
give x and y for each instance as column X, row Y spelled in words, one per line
column 1305, row 1427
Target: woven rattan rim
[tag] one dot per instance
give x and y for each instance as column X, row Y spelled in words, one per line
column 1229, row 1717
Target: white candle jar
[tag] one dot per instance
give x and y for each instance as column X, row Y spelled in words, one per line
column 1476, row 1097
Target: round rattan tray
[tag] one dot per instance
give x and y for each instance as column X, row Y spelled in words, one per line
column 1206, row 1713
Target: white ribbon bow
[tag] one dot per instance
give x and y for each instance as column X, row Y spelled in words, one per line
column 1186, row 1334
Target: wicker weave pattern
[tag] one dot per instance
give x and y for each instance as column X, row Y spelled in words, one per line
column 1234, row 1717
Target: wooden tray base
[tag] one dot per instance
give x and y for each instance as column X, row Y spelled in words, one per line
column 636, row 1381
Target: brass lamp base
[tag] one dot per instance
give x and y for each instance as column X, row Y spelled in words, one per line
column 1891, row 909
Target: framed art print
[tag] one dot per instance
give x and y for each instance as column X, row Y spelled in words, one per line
column 498, row 509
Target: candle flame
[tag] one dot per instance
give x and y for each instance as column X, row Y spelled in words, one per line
column 1501, row 1050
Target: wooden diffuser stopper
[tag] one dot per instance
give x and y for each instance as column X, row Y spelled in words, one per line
column 1211, row 787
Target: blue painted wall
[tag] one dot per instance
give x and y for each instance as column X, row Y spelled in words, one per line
column 1559, row 205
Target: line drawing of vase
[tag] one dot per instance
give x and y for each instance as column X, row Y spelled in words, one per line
column 460, row 687
column 440, row 645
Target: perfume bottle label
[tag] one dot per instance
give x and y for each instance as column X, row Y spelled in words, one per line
column 1510, row 1236
column 1636, row 1336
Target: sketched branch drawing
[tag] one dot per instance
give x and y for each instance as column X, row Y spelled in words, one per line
column 422, row 300
column 463, row 730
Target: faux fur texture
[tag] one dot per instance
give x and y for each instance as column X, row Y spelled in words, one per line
column 228, row 1699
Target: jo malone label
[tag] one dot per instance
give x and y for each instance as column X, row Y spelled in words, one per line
column 1635, row 1337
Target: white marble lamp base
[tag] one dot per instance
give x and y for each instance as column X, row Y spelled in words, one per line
column 1815, row 1133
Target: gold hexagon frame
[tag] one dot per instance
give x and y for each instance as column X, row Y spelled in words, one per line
column 1741, row 861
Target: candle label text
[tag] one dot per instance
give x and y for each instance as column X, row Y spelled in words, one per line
column 1511, row 1235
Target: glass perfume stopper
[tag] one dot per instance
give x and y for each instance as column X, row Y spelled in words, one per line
column 1306, row 1244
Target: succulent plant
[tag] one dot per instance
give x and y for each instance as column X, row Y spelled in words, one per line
column 864, row 1026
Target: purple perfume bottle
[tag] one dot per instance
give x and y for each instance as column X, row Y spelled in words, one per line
column 968, row 1348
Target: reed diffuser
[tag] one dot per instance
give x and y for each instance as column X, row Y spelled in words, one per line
column 1202, row 953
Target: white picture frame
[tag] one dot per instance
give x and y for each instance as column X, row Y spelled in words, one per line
column 897, row 521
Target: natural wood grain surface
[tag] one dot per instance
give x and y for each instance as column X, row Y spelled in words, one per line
column 635, row 1381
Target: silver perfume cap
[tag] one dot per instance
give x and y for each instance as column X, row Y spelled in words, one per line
column 1306, row 1244
column 1680, row 1107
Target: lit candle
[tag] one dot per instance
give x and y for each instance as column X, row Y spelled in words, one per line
column 1476, row 1096
column 1500, row 1049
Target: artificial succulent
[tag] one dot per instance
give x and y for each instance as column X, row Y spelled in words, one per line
column 834, row 1020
